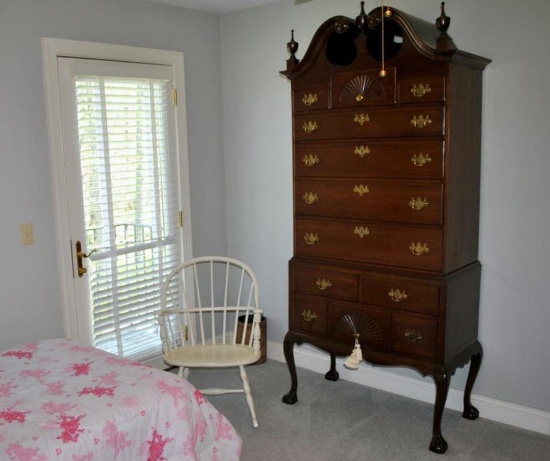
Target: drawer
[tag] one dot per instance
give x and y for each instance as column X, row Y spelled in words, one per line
column 356, row 89
column 414, row 335
column 400, row 293
column 411, row 247
column 372, row 325
column 310, row 99
column 409, row 159
column 422, row 89
column 384, row 200
column 309, row 313
column 367, row 122
column 326, row 282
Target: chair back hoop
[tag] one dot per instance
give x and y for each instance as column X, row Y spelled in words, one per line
column 202, row 300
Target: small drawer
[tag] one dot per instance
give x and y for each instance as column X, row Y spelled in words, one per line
column 310, row 99
column 402, row 294
column 354, row 89
column 414, row 335
column 422, row 90
column 372, row 325
column 327, row 283
column 309, row 314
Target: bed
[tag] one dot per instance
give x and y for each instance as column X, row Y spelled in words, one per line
column 63, row 401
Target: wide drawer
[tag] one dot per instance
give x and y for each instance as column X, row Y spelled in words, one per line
column 422, row 89
column 326, row 282
column 366, row 122
column 405, row 159
column 414, row 335
column 384, row 200
column 309, row 313
column 372, row 325
column 400, row 293
column 418, row 248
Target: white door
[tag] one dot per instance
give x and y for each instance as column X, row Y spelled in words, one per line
column 123, row 199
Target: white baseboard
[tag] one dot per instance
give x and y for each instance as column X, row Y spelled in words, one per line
column 492, row 409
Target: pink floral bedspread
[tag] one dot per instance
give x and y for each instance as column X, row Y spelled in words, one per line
column 63, row 401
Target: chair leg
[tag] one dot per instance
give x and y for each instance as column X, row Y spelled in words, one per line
column 184, row 372
column 248, row 395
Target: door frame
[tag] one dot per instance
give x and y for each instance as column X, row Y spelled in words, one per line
column 51, row 50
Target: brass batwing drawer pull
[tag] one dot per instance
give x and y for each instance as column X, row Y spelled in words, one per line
column 361, row 189
column 310, row 198
column 308, row 315
column 418, row 249
column 420, row 121
column 311, row 239
column 361, row 150
column 310, row 99
column 323, row 284
column 310, row 127
column 397, row 295
column 420, row 160
column 418, row 203
column 361, row 231
column 311, row 160
column 420, row 90
column 413, row 336
column 361, row 119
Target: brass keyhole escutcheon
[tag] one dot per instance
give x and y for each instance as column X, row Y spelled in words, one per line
column 361, row 119
column 397, row 295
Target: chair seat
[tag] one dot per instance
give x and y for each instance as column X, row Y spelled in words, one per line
column 212, row 355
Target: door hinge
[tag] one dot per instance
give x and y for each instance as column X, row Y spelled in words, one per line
column 175, row 97
column 180, row 218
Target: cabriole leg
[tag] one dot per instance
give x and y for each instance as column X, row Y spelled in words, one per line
column 332, row 374
column 442, row 383
column 291, row 397
column 471, row 412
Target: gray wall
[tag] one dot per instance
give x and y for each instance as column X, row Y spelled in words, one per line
column 29, row 281
column 240, row 164
column 515, row 201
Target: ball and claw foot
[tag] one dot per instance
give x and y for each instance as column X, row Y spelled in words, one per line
column 332, row 375
column 290, row 398
column 438, row 444
column 470, row 413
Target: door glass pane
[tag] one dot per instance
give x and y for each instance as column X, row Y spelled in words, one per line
column 130, row 194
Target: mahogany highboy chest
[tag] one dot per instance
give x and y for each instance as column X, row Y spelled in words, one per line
column 386, row 199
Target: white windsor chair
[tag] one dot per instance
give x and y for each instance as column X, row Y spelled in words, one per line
column 201, row 302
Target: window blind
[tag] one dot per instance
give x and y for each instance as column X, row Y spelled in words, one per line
column 130, row 195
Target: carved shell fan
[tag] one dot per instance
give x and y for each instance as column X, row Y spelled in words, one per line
column 362, row 88
column 360, row 324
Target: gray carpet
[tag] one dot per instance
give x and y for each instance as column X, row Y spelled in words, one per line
column 340, row 421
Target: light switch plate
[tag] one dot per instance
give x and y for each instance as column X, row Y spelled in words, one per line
column 27, row 237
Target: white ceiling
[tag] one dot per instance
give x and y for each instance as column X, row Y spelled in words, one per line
column 216, row 6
